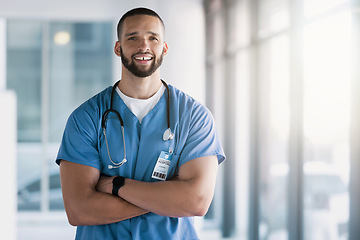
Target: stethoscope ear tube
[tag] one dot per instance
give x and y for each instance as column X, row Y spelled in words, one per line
column 106, row 113
column 104, row 117
column 168, row 104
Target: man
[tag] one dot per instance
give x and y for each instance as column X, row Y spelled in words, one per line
column 139, row 181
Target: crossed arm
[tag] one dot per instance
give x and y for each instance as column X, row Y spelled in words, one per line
column 88, row 199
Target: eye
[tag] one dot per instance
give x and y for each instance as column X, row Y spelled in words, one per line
column 152, row 38
column 132, row 38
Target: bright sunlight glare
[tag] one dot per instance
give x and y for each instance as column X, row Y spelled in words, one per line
column 327, row 61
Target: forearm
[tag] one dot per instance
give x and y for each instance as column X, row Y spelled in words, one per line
column 178, row 198
column 85, row 205
column 98, row 208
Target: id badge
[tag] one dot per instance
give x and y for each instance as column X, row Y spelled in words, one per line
column 162, row 166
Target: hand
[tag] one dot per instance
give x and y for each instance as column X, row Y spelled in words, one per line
column 105, row 184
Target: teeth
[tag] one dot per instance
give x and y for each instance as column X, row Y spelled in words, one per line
column 143, row 58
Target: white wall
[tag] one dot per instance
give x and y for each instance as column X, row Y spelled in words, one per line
column 2, row 53
column 7, row 147
column 184, row 19
column 8, row 161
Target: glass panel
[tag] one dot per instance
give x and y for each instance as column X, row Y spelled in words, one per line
column 242, row 133
column 274, row 137
column 29, row 173
column 327, row 61
column 273, row 17
column 24, row 40
column 81, row 59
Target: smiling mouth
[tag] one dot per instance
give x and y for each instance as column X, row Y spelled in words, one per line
column 143, row 58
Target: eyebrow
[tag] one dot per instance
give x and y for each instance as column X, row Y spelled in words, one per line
column 135, row 33
column 153, row 33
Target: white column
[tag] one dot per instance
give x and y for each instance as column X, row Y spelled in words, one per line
column 354, row 186
column 2, row 54
column 8, row 161
column 7, row 147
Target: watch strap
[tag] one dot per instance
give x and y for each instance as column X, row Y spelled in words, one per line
column 118, row 182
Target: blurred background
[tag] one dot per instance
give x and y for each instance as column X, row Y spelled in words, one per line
column 281, row 78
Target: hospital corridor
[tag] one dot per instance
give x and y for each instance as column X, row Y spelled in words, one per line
column 281, row 79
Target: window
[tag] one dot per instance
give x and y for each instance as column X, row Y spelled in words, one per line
column 327, row 61
column 53, row 67
column 274, row 107
column 292, row 76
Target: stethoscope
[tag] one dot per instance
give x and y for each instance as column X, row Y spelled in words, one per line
column 168, row 135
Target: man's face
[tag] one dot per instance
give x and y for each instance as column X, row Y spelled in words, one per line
column 141, row 46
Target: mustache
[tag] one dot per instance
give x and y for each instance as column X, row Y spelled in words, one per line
column 148, row 53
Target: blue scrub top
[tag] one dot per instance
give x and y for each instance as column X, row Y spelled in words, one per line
column 83, row 142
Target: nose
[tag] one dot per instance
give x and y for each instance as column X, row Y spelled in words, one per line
column 143, row 45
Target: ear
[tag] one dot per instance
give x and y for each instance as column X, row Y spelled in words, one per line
column 166, row 48
column 117, row 49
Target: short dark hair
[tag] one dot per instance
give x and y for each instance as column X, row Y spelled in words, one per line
column 133, row 12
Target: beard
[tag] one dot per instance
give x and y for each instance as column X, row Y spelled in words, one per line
column 130, row 65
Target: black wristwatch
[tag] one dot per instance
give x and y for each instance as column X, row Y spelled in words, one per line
column 118, row 182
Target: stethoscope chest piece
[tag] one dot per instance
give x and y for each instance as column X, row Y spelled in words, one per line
column 168, row 135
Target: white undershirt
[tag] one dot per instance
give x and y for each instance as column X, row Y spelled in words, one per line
column 141, row 107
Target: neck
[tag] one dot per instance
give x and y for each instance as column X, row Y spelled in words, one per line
column 140, row 88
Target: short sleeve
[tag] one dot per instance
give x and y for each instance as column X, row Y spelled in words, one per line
column 202, row 139
column 79, row 142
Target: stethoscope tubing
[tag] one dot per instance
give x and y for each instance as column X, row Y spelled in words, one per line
column 168, row 135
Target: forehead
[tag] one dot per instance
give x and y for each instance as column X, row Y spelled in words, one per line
column 143, row 23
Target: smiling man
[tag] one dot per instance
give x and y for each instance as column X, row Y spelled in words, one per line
column 139, row 160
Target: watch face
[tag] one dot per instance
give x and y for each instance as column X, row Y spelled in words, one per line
column 118, row 181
